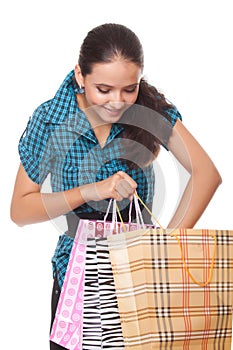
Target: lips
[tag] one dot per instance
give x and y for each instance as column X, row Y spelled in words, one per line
column 113, row 112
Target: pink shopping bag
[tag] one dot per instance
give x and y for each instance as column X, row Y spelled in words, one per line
column 67, row 327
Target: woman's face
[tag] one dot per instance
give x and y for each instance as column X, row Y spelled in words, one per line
column 111, row 88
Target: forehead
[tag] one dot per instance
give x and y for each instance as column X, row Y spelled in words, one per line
column 117, row 73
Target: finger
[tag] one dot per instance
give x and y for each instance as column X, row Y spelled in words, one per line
column 118, row 197
column 124, row 188
column 127, row 178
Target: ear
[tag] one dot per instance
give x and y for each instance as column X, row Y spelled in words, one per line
column 78, row 76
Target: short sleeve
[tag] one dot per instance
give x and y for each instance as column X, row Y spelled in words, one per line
column 174, row 115
column 33, row 147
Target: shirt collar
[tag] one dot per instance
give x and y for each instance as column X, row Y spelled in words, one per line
column 79, row 124
column 64, row 102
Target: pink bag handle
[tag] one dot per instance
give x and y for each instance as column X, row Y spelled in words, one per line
column 114, row 213
column 138, row 212
column 139, row 217
column 130, row 211
column 108, row 209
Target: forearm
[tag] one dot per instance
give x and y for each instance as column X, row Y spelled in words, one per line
column 197, row 195
column 38, row 207
column 204, row 177
column 29, row 205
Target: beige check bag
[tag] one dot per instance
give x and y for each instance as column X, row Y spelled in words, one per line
column 174, row 289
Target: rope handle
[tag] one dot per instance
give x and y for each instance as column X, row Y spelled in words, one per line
column 122, row 222
column 149, row 211
column 201, row 284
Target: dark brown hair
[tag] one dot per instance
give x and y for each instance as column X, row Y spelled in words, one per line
column 105, row 43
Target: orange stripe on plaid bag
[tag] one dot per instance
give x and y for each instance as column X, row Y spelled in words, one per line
column 207, row 326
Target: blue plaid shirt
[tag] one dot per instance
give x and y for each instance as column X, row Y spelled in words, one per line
column 60, row 141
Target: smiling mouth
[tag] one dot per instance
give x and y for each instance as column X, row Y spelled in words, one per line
column 114, row 112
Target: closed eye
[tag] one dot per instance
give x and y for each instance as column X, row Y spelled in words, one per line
column 103, row 91
column 130, row 91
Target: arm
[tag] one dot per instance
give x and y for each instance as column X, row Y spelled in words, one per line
column 29, row 205
column 203, row 182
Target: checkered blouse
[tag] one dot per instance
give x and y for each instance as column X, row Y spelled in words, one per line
column 59, row 141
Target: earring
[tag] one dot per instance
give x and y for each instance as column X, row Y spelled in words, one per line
column 81, row 89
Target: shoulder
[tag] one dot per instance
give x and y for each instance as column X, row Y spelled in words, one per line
column 36, row 128
column 46, row 113
column 41, row 112
column 166, row 106
column 57, row 109
column 173, row 114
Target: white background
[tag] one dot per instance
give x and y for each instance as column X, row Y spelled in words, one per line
column 188, row 56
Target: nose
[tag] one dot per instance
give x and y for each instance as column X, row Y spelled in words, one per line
column 117, row 101
column 116, row 105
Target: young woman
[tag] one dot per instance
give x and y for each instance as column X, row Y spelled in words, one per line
column 97, row 138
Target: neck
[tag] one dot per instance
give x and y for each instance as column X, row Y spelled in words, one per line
column 100, row 128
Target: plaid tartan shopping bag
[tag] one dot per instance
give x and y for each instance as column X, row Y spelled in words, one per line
column 174, row 291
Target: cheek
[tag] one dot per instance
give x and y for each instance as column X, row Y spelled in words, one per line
column 131, row 98
column 93, row 97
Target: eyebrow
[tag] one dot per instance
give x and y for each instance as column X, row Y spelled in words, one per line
column 110, row 86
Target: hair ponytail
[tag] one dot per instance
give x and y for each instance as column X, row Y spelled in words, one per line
column 146, row 145
column 149, row 97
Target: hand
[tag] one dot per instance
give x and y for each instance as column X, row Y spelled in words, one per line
column 117, row 186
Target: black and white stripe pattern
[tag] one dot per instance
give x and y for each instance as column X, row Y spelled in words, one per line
column 101, row 321
column 91, row 309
